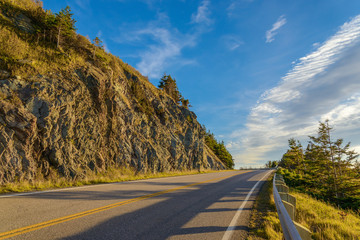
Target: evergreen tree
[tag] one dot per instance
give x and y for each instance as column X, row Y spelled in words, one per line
column 327, row 152
column 168, row 84
column 294, row 157
column 327, row 169
column 185, row 103
column 65, row 24
column 271, row 164
column 97, row 43
column 219, row 149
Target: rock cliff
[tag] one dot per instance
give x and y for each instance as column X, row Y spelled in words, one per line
column 67, row 110
column 88, row 120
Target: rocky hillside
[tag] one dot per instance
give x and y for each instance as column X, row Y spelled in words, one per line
column 61, row 110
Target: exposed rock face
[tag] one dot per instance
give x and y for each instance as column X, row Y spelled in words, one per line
column 89, row 120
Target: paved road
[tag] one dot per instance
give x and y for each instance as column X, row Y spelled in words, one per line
column 205, row 206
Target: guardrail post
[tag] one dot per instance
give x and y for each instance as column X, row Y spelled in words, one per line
column 290, row 209
column 282, row 188
column 304, row 232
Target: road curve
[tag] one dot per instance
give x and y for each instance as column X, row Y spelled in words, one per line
column 204, row 206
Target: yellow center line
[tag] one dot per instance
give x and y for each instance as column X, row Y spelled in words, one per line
column 45, row 224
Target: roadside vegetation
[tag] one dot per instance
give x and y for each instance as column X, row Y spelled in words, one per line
column 327, row 169
column 326, row 221
column 264, row 221
column 110, row 176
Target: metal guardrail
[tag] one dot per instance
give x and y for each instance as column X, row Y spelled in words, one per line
column 287, row 225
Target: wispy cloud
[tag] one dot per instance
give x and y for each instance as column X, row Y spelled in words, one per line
column 202, row 16
column 270, row 34
column 164, row 43
column 235, row 5
column 84, row 4
column 232, row 42
column 167, row 48
column 322, row 85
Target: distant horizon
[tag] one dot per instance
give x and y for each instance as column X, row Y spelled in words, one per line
column 256, row 72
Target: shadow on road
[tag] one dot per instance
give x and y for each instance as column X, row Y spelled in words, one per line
column 167, row 218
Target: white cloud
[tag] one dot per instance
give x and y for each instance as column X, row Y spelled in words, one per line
column 167, row 48
column 356, row 148
column 84, row 4
column 270, row 34
column 322, row 85
column 161, row 44
column 202, row 16
column 232, row 42
column 232, row 9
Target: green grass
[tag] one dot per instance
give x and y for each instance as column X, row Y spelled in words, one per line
column 264, row 221
column 109, row 176
column 325, row 221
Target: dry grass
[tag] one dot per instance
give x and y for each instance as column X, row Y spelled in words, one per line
column 326, row 221
column 111, row 175
column 264, row 221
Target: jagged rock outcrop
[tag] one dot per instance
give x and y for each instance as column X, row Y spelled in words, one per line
column 90, row 119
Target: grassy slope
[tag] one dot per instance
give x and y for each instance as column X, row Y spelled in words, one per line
column 24, row 54
column 326, row 221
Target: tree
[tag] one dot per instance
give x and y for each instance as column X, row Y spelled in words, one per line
column 219, row 149
column 326, row 154
column 65, row 24
column 38, row 3
column 294, row 157
column 185, row 103
column 97, row 43
column 168, row 84
column 271, row 164
column 328, row 168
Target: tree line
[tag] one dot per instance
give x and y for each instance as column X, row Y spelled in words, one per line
column 327, row 168
column 218, row 147
column 271, row 164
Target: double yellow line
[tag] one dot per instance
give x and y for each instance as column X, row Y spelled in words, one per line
column 41, row 225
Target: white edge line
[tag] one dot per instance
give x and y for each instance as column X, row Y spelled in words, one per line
column 232, row 225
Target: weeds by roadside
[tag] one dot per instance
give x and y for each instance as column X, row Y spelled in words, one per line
column 111, row 175
column 264, row 221
column 326, row 221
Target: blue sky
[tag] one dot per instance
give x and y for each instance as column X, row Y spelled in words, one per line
column 256, row 72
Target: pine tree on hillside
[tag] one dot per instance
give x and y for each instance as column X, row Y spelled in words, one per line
column 219, row 149
column 168, row 84
column 65, row 24
column 97, row 43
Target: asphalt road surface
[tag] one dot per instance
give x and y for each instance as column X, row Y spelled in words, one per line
column 204, row 206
